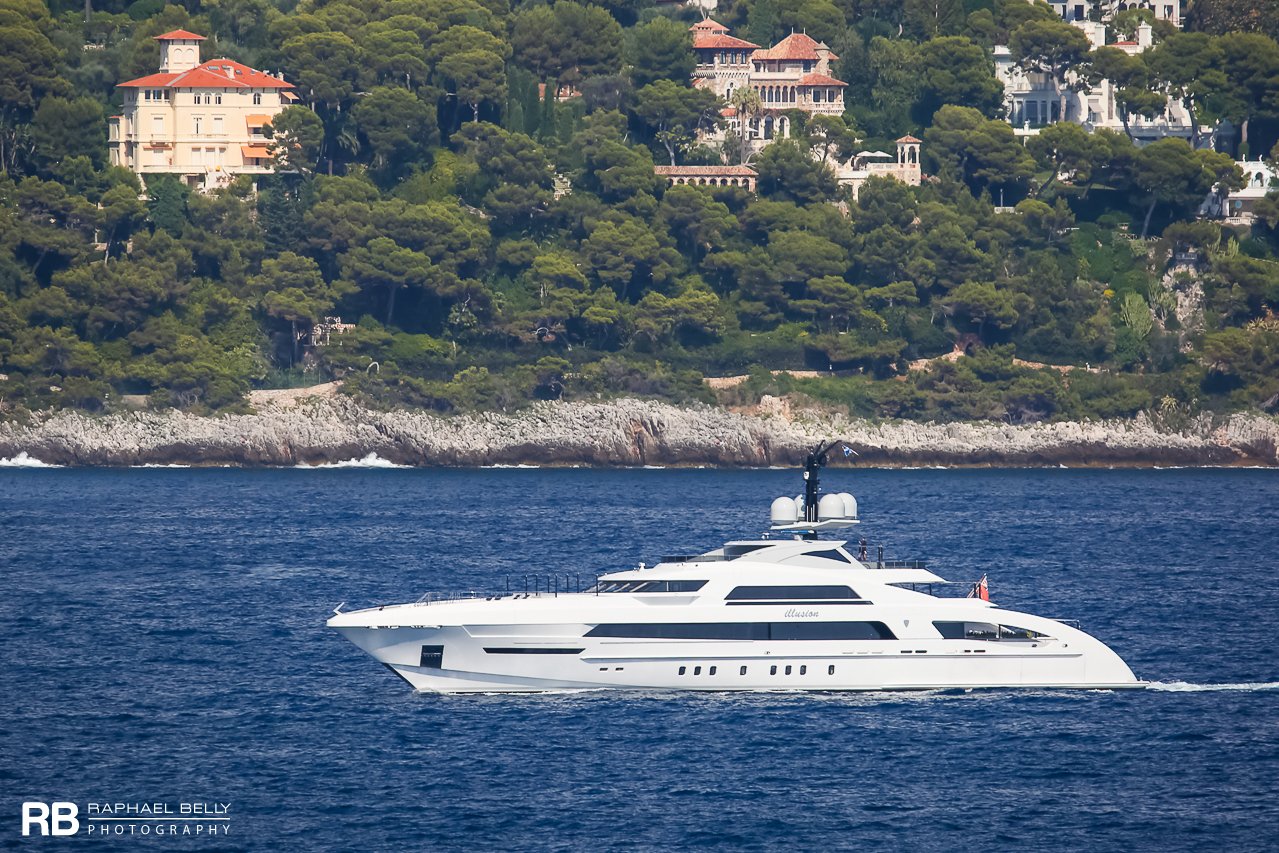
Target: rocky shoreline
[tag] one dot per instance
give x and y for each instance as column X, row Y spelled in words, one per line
column 625, row 432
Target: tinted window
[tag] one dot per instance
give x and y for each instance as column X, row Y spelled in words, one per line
column 828, row 555
column 651, row 586
column 1012, row 632
column 746, row 631
column 984, row 631
column 831, row 631
column 733, row 551
column 783, row 593
column 684, row 630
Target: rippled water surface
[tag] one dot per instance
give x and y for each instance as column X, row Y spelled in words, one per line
column 164, row 640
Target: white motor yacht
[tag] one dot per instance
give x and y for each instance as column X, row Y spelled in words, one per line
column 788, row 611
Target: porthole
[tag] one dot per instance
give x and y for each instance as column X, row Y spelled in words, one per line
column 743, row 672
column 772, row 670
column 683, row 669
column 788, row 670
column 830, row 670
column 697, row 670
column 803, row 670
column 711, row 671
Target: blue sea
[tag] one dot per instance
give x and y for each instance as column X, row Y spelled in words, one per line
column 164, row 641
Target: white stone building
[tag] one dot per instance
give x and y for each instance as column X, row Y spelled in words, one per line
column 199, row 120
column 1080, row 10
column 1236, row 207
column 1033, row 99
column 880, row 164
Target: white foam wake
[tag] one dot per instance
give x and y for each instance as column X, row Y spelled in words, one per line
column 372, row 460
column 503, row 465
column 22, row 460
column 1187, row 687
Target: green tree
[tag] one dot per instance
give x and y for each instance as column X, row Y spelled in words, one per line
column 984, row 153
column 830, row 135
column 786, row 172
column 69, row 128
column 292, row 288
column 29, row 66
column 982, row 304
column 476, row 77
column 1250, row 63
column 512, row 179
column 1170, row 172
column 566, row 42
column 1054, row 48
column 746, row 102
column 659, row 50
column 676, row 113
column 697, row 222
column 382, row 263
column 1187, row 67
column 297, row 138
column 1131, row 80
column 399, row 127
column 955, row 70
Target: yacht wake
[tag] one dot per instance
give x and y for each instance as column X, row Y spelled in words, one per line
column 372, row 460
column 22, row 460
column 1187, row 687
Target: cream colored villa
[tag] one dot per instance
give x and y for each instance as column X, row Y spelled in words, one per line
column 793, row 74
column 199, row 120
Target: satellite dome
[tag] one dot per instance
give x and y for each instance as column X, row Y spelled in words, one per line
column 783, row 511
column 830, row 507
column 850, row 504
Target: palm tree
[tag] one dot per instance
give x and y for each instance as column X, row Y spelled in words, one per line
column 748, row 105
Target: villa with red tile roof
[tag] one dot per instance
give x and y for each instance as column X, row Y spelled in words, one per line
column 794, row 74
column 199, row 120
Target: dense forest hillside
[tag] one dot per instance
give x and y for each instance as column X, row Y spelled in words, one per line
column 491, row 244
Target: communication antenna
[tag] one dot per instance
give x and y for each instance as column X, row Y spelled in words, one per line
column 813, row 464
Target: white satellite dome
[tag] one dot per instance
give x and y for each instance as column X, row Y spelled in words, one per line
column 783, row 511
column 830, row 507
column 850, row 504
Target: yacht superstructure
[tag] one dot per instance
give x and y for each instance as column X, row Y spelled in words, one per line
column 787, row 612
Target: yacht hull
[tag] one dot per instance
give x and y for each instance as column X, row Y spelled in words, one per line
column 491, row 664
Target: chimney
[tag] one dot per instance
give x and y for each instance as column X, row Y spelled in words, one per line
column 1145, row 35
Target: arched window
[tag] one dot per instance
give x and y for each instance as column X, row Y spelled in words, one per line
column 257, row 99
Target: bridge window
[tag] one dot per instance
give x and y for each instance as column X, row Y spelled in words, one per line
column 984, row 631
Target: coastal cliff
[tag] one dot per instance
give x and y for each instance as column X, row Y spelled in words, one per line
column 621, row 432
